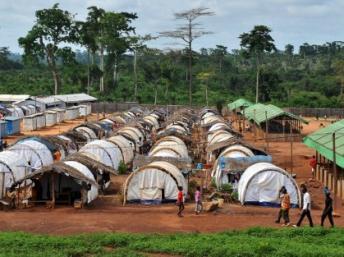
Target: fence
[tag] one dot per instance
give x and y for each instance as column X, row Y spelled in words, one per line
column 110, row 107
column 317, row 112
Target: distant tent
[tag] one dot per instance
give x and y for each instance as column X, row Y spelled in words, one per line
column 260, row 185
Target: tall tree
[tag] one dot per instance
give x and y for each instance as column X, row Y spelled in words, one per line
column 255, row 43
column 204, row 78
column 137, row 44
column 339, row 68
column 188, row 33
column 53, row 28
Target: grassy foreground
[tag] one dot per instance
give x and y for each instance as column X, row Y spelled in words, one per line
column 252, row 242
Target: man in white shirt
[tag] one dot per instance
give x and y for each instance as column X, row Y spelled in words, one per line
column 306, row 209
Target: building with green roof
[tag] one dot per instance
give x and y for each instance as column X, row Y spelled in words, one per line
column 328, row 144
column 239, row 105
column 270, row 119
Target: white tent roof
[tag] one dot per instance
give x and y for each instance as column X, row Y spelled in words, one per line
column 233, row 151
column 152, row 120
column 108, row 153
column 261, row 183
column 211, row 119
column 38, row 154
column 217, row 126
column 13, row 168
column 219, row 136
column 146, row 183
column 93, row 192
column 172, row 142
column 89, row 133
column 133, row 133
column 126, row 147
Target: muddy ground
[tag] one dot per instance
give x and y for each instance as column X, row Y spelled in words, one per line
column 107, row 214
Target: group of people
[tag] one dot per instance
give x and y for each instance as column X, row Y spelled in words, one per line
column 306, row 207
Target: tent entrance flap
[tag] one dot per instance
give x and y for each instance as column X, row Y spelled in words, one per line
column 151, row 195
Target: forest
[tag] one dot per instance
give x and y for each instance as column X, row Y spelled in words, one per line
column 103, row 56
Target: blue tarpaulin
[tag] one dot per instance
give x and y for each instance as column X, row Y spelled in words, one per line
column 241, row 163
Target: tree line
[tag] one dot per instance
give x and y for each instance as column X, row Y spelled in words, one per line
column 113, row 63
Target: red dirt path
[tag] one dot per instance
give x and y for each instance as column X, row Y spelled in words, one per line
column 106, row 215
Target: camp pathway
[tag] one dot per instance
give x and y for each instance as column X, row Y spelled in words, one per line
column 133, row 218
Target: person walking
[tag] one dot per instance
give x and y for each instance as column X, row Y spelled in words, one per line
column 306, row 209
column 198, row 201
column 313, row 164
column 180, row 201
column 285, row 206
column 328, row 210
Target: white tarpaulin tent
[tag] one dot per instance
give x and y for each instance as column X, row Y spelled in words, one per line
column 127, row 148
column 154, row 183
column 108, row 153
column 93, row 192
column 89, row 133
column 134, row 134
column 233, row 151
column 260, row 184
column 34, row 152
column 167, row 145
column 12, row 168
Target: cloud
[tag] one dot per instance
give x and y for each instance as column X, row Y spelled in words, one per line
column 292, row 21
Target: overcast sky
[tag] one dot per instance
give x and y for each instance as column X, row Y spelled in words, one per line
column 292, row 21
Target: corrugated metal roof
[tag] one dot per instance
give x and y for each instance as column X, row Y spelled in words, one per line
column 260, row 113
column 13, row 98
column 76, row 98
column 241, row 102
column 322, row 141
column 49, row 100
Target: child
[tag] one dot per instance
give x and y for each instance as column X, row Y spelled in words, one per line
column 180, row 201
column 198, row 201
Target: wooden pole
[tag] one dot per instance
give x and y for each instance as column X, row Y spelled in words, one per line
column 266, row 131
column 335, row 186
column 291, row 147
column 255, row 125
column 53, row 190
column 243, row 119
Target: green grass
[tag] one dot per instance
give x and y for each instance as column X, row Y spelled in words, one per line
column 252, row 242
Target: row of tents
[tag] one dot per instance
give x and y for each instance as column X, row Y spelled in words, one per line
column 247, row 168
column 163, row 170
column 79, row 176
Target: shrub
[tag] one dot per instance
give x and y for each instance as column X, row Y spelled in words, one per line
column 122, row 168
column 226, row 188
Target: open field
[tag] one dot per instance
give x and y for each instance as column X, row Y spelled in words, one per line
column 252, row 242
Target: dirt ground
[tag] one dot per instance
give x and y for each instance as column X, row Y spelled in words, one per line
column 108, row 215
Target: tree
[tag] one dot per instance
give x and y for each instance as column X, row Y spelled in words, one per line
column 339, row 68
column 289, row 50
column 188, row 33
column 220, row 52
column 137, row 44
column 255, row 43
column 116, row 38
column 204, row 78
column 54, row 27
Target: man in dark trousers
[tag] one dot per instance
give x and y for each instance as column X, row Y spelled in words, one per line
column 328, row 210
column 306, row 209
